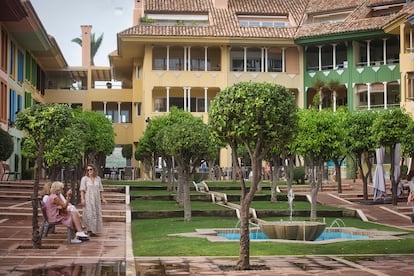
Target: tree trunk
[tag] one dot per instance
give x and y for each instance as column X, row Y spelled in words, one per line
column 244, row 254
column 274, row 178
column 364, row 178
column 338, row 174
column 394, row 183
column 186, row 194
column 170, row 169
column 37, row 242
column 245, row 200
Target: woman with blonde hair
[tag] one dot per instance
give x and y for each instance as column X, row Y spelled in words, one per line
column 57, row 211
column 91, row 191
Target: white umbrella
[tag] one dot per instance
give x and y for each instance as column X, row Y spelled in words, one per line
column 379, row 175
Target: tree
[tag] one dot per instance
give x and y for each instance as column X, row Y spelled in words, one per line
column 42, row 123
column 65, row 151
column 258, row 116
column 144, row 153
column 99, row 137
column 388, row 129
column 318, row 138
column 339, row 152
column 6, row 145
column 187, row 139
column 95, row 44
column 127, row 152
column 360, row 143
column 148, row 150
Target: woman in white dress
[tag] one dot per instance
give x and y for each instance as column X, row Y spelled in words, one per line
column 91, row 191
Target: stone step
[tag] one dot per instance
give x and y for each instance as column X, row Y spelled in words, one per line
column 325, row 188
column 25, row 210
column 29, row 215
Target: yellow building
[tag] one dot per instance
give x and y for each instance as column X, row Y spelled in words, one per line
column 184, row 58
column 183, row 52
column 403, row 26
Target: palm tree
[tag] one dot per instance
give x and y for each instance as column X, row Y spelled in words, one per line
column 95, row 44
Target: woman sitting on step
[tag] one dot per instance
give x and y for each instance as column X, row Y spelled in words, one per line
column 57, row 211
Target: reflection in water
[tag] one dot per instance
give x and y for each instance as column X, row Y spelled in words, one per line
column 103, row 268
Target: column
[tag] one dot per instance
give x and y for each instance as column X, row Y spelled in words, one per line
column 168, row 58
column 205, row 99
column 334, row 56
column 168, row 98
column 185, row 98
column 119, row 112
column 368, row 53
column 369, row 95
column 245, row 59
column 320, row 58
column 189, row 58
column 185, row 58
column 283, row 60
column 262, row 69
column 205, row 58
column 385, row 94
column 266, row 64
column 189, row 99
column 384, row 50
column 334, row 100
column 104, row 108
column 402, row 39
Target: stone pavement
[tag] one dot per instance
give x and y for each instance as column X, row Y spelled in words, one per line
column 111, row 252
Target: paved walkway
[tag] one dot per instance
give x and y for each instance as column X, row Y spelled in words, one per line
column 111, row 252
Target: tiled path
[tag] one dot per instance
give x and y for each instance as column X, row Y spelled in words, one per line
column 114, row 248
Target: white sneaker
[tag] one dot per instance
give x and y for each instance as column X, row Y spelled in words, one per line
column 81, row 235
column 75, row 241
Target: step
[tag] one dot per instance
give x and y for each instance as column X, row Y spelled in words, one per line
column 29, row 216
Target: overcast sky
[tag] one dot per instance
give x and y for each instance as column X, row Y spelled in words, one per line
column 63, row 18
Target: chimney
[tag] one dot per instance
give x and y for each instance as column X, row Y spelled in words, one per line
column 138, row 12
column 86, row 45
column 220, row 4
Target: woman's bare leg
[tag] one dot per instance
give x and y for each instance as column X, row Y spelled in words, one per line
column 76, row 221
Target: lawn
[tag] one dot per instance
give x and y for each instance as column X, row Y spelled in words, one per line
column 150, row 236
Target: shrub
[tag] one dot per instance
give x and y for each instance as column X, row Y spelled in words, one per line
column 6, row 145
column 298, row 175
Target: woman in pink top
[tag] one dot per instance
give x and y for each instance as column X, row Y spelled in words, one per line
column 56, row 211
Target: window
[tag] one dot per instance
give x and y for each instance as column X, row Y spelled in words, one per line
column 385, row 10
column 3, row 101
column 27, row 100
column 20, row 66
column 3, row 57
column 327, row 17
column 12, row 60
column 264, row 21
column 12, row 105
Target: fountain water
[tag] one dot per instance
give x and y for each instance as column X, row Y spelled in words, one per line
column 291, row 197
column 338, row 222
column 293, row 230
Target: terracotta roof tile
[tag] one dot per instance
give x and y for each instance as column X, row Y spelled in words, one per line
column 322, row 6
column 224, row 22
column 175, row 6
column 383, row 2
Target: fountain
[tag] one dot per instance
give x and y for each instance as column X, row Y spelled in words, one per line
column 292, row 230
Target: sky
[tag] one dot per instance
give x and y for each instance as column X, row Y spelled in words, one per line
column 62, row 20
